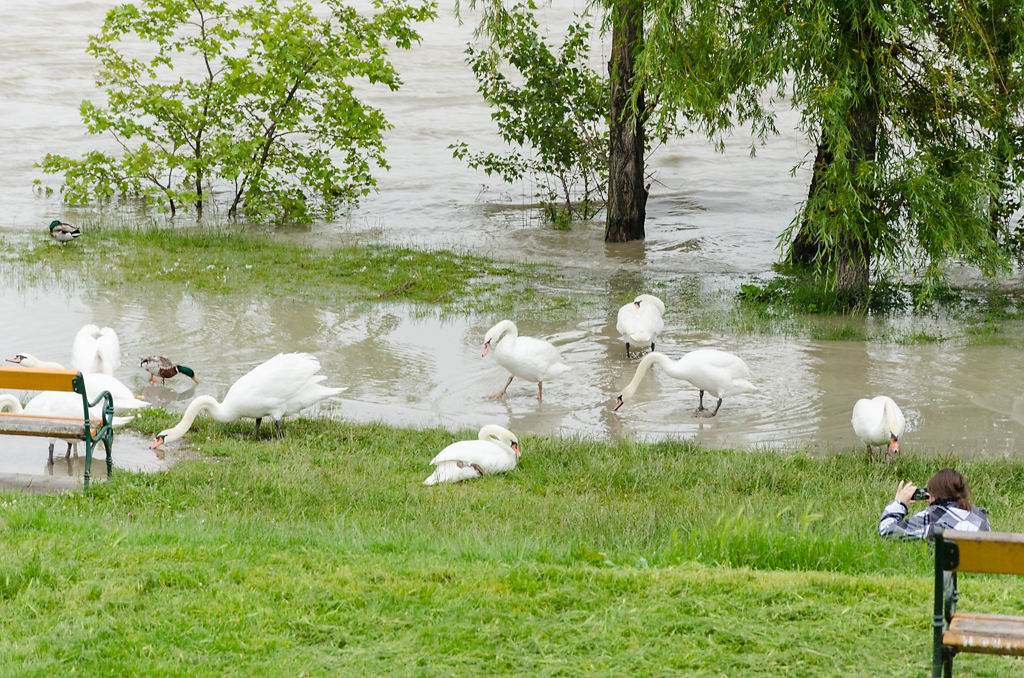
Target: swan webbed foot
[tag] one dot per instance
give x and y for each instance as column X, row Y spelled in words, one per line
column 628, row 354
column 256, row 431
column 277, row 425
column 501, row 393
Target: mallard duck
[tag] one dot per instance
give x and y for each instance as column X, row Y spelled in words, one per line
column 495, row 451
column 525, row 357
column 63, row 233
column 159, row 366
column 720, row 373
column 283, row 385
column 639, row 321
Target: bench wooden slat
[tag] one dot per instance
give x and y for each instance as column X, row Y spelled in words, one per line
column 36, row 378
column 986, row 633
column 46, row 427
column 995, row 552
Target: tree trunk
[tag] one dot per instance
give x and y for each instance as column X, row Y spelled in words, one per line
column 627, row 197
column 849, row 255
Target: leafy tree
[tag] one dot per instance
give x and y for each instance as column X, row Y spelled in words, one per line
column 553, row 109
column 902, row 174
column 252, row 105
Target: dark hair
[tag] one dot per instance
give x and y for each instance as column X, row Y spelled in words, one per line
column 950, row 484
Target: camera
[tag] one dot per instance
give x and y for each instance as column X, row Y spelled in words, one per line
column 920, row 494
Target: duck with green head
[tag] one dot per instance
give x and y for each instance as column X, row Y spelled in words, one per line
column 159, row 366
column 63, row 233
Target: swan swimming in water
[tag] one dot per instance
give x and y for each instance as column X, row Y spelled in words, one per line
column 879, row 421
column 639, row 321
column 720, row 373
column 283, row 385
column 525, row 357
column 495, row 451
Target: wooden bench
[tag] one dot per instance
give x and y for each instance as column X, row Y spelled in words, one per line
column 954, row 632
column 79, row 428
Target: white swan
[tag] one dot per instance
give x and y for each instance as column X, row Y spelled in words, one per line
column 96, row 350
column 720, row 373
column 283, row 385
column 525, row 357
column 639, row 321
column 95, row 383
column 57, row 404
column 496, row 451
column 879, row 421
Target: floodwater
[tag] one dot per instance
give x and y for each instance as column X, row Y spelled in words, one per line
column 713, row 219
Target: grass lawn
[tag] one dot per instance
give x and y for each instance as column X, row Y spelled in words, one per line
column 323, row 554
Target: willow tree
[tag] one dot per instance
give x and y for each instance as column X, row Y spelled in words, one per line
column 902, row 170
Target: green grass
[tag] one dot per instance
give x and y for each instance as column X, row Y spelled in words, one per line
column 227, row 262
column 323, row 554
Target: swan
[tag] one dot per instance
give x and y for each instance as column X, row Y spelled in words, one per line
column 639, row 321
column 159, row 366
column 879, row 421
column 57, row 404
column 283, row 385
column 96, row 350
column 525, row 357
column 720, row 373
column 495, row 451
column 95, row 383
column 63, row 233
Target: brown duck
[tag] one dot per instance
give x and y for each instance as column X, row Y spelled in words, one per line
column 159, row 366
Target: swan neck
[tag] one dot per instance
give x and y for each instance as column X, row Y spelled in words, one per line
column 203, row 402
column 642, row 369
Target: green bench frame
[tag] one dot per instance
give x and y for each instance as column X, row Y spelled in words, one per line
column 954, row 632
column 42, row 379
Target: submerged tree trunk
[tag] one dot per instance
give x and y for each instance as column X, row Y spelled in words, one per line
column 848, row 255
column 627, row 197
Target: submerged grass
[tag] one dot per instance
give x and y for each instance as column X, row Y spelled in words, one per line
column 323, row 554
column 233, row 262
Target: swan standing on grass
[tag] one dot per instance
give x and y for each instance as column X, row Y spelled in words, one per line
column 639, row 321
column 95, row 383
column 720, row 373
column 496, row 451
column 879, row 421
column 96, row 350
column 283, row 385
column 525, row 357
column 57, row 404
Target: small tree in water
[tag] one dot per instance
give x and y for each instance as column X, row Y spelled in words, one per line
column 557, row 114
column 250, row 104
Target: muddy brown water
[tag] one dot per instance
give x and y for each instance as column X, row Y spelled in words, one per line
column 713, row 218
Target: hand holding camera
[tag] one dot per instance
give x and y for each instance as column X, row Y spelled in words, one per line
column 920, row 494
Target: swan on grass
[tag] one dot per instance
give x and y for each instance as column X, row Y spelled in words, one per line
column 525, row 357
column 495, row 451
column 720, row 373
column 283, row 385
column 95, row 383
column 57, row 404
column 96, row 350
column 159, row 366
column 879, row 421
column 639, row 321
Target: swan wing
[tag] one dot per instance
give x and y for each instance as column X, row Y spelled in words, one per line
column 108, row 349
column 530, row 358
column 96, row 383
column 490, row 457
column 451, row 472
column 639, row 325
column 869, row 421
column 272, row 387
column 84, row 350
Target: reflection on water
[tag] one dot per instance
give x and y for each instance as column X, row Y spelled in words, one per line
column 713, row 218
column 406, row 369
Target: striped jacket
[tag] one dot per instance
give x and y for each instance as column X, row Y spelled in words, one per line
column 944, row 513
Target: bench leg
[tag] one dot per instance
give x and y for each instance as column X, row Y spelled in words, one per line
column 88, row 463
